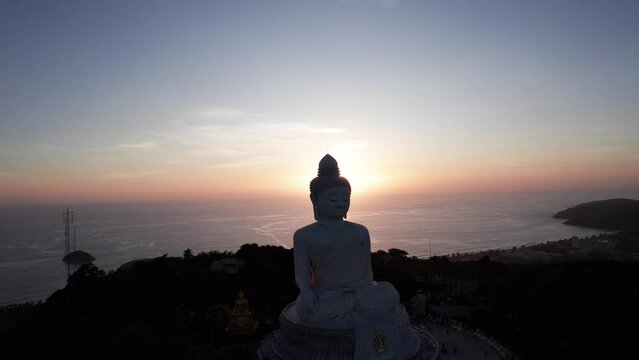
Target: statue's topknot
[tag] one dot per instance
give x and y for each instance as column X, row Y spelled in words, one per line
column 328, row 166
column 328, row 175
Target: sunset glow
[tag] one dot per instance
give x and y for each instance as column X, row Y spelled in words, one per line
column 116, row 101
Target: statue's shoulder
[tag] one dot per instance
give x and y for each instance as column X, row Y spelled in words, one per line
column 305, row 232
column 358, row 227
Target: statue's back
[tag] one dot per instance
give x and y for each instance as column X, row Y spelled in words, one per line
column 340, row 257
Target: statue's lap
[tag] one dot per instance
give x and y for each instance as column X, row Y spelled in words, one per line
column 339, row 305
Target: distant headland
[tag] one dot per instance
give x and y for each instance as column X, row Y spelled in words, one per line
column 611, row 214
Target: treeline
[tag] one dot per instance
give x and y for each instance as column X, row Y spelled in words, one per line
column 176, row 308
column 167, row 308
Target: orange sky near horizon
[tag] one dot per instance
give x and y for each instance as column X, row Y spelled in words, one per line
column 367, row 179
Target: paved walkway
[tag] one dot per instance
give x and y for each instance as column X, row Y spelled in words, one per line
column 460, row 346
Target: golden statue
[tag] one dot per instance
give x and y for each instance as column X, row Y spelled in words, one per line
column 241, row 322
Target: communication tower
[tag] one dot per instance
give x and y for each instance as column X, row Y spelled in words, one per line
column 67, row 219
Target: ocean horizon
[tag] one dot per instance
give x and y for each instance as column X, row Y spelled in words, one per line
column 32, row 241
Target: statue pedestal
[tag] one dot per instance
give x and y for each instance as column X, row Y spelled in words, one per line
column 295, row 340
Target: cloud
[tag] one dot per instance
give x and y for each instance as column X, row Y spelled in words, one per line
column 283, row 129
column 252, row 143
column 76, row 149
column 142, row 145
column 247, row 140
column 383, row 3
column 126, row 175
column 220, row 112
column 388, row 3
column 329, row 130
column 177, row 161
column 227, row 138
column 251, row 162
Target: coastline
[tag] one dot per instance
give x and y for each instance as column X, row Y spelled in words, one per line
column 618, row 217
column 33, row 239
column 608, row 246
column 488, row 284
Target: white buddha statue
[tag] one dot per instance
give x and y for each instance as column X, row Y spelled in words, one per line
column 334, row 275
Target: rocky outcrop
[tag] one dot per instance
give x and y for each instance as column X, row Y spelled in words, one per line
column 78, row 257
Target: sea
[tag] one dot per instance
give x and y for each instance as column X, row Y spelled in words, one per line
column 32, row 240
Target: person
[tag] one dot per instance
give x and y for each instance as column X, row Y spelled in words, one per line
column 333, row 271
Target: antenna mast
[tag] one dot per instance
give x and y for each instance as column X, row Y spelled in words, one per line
column 67, row 219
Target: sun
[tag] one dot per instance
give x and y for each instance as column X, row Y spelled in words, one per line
column 364, row 175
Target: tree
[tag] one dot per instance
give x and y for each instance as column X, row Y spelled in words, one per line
column 397, row 253
column 87, row 273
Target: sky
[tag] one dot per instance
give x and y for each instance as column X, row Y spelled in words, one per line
column 144, row 100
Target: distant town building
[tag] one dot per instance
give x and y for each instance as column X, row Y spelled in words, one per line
column 228, row 265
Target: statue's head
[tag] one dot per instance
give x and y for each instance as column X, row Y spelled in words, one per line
column 330, row 192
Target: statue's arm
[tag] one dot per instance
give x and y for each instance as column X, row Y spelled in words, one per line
column 369, row 267
column 302, row 264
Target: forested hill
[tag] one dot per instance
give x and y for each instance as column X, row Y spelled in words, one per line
column 611, row 214
column 177, row 308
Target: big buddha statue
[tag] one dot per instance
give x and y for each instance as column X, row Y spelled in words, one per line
column 339, row 299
